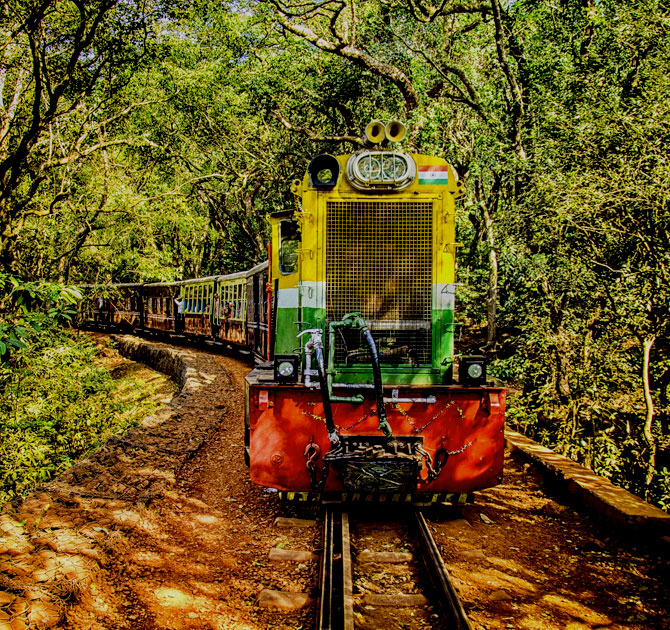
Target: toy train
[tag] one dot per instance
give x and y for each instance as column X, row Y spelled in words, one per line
column 232, row 309
column 357, row 393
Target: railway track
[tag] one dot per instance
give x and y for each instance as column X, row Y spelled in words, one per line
column 414, row 591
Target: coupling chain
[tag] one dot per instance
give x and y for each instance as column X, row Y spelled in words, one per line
column 315, row 417
column 397, row 408
column 425, row 426
column 312, row 452
column 435, row 467
column 460, row 450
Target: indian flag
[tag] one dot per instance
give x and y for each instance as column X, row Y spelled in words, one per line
column 433, row 175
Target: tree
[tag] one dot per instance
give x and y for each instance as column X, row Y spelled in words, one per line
column 61, row 65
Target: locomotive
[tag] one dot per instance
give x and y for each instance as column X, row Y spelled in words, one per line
column 358, row 393
column 360, row 399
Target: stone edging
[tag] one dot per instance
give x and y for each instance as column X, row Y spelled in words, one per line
column 615, row 507
column 165, row 359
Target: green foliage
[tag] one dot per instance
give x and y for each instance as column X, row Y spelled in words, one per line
column 57, row 403
column 163, row 154
column 31, row 306
column 54, row 405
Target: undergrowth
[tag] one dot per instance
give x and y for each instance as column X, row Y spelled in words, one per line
column 57, row 403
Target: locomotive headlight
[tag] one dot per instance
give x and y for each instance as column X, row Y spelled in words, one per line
column 286, row 368
column 475, row 370
column 472, row 371
column 381, row 169
column 370, row 168
column 394, row 167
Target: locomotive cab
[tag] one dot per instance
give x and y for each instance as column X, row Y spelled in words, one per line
column 358, row 399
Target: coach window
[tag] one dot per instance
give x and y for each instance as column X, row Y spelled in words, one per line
column 289, row 242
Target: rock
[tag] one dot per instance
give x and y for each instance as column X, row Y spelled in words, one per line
column 485, row 519
column 472, row 554
column 9, row 526
column 500, row 596
column 6, row 598
column 17, row 569
column 398, row 600
column 387, row 557
column 64, row 541
column 289, row 555
column 44, row 614
column 19, row 607
column 126, row 518
column 42, row 576
column 14, row 546
column 294, row 522
column 279, row 600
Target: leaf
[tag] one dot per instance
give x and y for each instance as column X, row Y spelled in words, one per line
column 14, row 341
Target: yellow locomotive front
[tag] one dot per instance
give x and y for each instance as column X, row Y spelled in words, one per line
column 360, row 399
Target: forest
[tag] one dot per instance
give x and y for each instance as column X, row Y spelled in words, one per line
column 147, row 141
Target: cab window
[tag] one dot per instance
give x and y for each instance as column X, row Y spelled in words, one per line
column 289, row 243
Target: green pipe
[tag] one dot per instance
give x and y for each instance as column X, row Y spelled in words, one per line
column 354, row 320
column 331, row 371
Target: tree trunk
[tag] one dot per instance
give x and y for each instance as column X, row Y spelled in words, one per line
column 647, row 344
column 488, row 206
column 492, row 291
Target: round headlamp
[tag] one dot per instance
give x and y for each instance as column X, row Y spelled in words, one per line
column 475, row 370
column 381, row 169
column 472, row 371
column 285, row 369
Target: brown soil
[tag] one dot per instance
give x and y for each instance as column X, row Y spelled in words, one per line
column 520, row 559
column 175, row 536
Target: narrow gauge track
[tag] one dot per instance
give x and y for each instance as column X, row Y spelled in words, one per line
column 341, row 609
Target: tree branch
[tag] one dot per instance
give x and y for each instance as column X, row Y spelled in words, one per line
column 311, row 135
column 357, row 56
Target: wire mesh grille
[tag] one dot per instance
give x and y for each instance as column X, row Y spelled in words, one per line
column 379, row 263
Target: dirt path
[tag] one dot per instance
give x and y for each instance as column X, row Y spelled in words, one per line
column 163, row 530
column 198, row 556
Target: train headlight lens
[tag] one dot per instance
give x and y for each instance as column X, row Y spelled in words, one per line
column 394, row 168
column 369, row 168
column 475, row 370
column 472, row 371
column 286, row 368
column 381, row 169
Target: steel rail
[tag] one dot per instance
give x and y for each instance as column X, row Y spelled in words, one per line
column 347, row 577
column 336, row 604
column 452, row 609
column 330, row 615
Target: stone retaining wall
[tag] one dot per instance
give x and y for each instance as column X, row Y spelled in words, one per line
column 611, row 506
